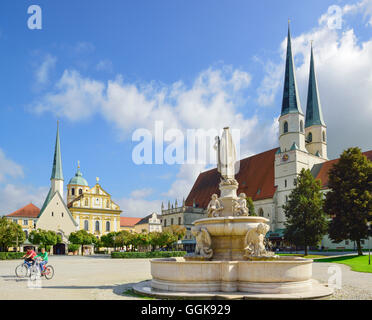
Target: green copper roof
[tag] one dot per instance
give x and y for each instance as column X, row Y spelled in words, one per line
column 57, row 162
column 47, row 200
column 314, row 114
column 291, row 102
column 78, row 179
column 317, row 154
column 294, row 146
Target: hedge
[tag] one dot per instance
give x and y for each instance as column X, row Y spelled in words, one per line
column 11, row 255
column 151, row 254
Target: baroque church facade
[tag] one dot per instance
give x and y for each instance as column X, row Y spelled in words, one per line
column 269, row 177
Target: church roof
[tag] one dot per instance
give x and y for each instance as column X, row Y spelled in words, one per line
column 291, row 102
column 255, row 178
column 57, row 162
column 145, row 219
column 314, row 115
column 128, row 221
column 28, row 211
column 46, row 201
column 78, row 178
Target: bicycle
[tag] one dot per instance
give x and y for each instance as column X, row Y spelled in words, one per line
column 24, row 269
column 48, row 271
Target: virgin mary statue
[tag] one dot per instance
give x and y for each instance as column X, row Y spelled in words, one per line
column 226, row 154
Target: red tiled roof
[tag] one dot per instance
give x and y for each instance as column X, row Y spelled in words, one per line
column 326, row 166
column 128, row 221
column 29, row 211
column 255, row 178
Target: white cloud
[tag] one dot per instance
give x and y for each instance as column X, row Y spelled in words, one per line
column 42, row 72
column 13, row 197
column 8, row 168
column 141, row 193
column 136, row 207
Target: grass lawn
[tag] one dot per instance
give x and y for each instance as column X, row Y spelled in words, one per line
column 310, row 256
column 357, row 263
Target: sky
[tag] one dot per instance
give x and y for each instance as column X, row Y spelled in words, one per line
column 105, row 69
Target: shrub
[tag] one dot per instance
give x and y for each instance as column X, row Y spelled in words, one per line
column 73, row 247
column 144, row 255
column 11, row 255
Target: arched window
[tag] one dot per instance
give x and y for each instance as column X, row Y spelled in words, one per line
column 107, row 225
column 324, row 136
column 301, row 126
column 86, row 225
column 86, row 202
column 260, row 212
column 285, row 127
column 80, row 191
column 310, row 137
column 107, row 204
column 97, row 225
column 73, row 191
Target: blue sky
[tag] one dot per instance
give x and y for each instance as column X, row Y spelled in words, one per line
column 101, row 66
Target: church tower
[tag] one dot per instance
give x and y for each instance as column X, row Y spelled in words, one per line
column 315, row 128
column 57, row 174
column 291, row 121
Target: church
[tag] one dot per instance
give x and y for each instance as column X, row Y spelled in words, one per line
column 269, row 177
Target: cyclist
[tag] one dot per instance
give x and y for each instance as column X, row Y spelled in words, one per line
column 30, row 255
column 43, row 255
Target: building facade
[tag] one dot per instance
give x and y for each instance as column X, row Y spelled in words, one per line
column 150, row 223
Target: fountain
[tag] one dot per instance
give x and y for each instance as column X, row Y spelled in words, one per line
column 230, row 258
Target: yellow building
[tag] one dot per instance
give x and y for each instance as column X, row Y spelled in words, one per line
column 92, row 207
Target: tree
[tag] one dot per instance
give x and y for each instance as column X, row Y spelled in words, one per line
column 178, row 231
column 44, row 238
column 349, row 201
column 82, row 237
column 11, row 234
column 250, row 206
column 306, row 222
column 107, row 240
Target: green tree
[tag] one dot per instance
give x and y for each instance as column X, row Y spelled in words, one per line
column 250, row 206
column 178, row 231
column 107, row 240
column 11, row 234
column 349, row 201
column 306, row 223
column 82, row 237
column 123, row 238
column 44, row 238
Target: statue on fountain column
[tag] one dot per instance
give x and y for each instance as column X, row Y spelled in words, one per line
column 226, row 155
column 214, row 207
column 240, row 206
column 203, row 239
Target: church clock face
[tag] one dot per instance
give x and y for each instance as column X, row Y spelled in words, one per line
column 285, row 157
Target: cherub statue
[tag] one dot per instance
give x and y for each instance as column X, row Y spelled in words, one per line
column 254, row 241
column 214, row 206
column 203, row 242
column 240, row 206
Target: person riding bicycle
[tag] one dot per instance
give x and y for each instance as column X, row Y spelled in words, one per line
column 43, row 256
column 29, row 256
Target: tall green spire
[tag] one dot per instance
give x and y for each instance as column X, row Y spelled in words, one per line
column 57, row 162
column 291, row 102
column 314, row 114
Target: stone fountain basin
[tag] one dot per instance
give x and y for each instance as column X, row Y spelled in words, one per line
column 282, row 275
column 230, row 226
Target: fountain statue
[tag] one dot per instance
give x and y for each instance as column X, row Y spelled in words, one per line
column 230, row 253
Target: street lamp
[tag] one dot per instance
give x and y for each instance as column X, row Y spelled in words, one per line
column 369, row 244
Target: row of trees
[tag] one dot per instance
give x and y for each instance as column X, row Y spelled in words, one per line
column 348, row 204
column 11, row 234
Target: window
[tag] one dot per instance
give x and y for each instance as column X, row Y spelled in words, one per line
column 62, row 214
column 73, row 191
column 107, row 225
column 361, row 241
column 310, row 137
column 171, row 221
column 286, row 198
column 324, row 136
column 347, row 242
column 107, row 204
column 285, row 127
column 97, row 225
column 15, row 220
column 179, row 220
column 86, row 202
column 26, row 233
column 80, row 191
column 25, row 222
column 52, row 214
column 285, row 183
column 260, row 212
column 301, row 126
column 86, row 225
column 165, row 222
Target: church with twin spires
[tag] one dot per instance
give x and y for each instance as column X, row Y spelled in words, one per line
column 269, row 177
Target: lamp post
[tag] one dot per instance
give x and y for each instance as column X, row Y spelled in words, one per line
column 369, row 244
